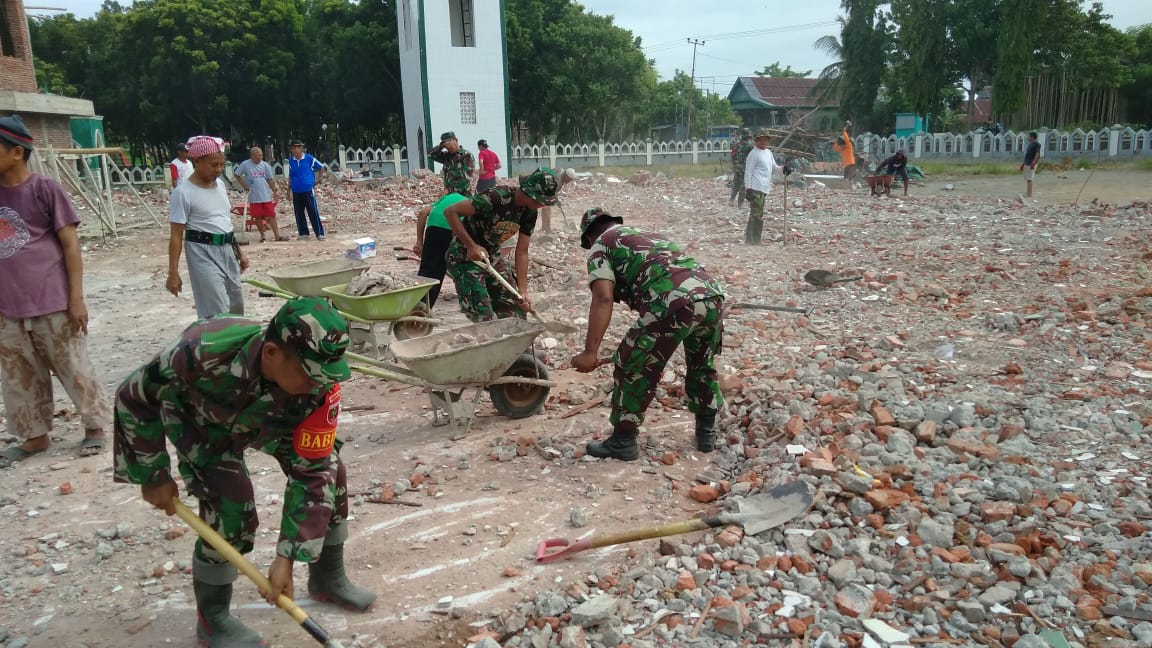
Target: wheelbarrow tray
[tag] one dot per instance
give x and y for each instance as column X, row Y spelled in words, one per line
column 310, row 279
column 386, row 306
column 474, row 364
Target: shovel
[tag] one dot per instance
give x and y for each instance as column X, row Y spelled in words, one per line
column 756, row 514
column 228, row 551
column 826, row 278
column 551, row 327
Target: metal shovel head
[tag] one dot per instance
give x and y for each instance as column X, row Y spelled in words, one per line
column 821, row 278
column 770, row 509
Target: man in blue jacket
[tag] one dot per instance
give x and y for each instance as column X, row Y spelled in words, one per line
column 302, row 170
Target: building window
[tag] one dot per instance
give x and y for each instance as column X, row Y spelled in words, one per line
column 463, row 32
column 7, row 31
column 467, row 107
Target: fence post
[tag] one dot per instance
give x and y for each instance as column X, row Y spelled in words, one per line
column 648, row 151
column 695, row 151
column 919, row 146
column 552, row 155
column 1114, row 141
column 977, row 144
column 396, row 161
column 600, row 153
column 343, row 156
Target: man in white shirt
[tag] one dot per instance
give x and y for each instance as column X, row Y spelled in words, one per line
column 180, row 169
column 758, row 170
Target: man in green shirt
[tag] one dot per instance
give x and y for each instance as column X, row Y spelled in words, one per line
column 433, row 236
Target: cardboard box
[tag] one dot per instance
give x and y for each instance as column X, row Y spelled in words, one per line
column 360, row 248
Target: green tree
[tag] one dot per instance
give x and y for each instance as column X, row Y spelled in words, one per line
column 1015, row 47
column 1137, row 93
column 774, row 70
column 865, row 42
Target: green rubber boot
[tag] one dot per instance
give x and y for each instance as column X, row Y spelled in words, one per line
column 215, row 627
column 327, row 580
column 706, row 432
column 621, row 445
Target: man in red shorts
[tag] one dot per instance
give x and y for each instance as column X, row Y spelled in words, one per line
column 255, row 176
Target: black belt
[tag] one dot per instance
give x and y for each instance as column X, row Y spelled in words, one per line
column 207, row 238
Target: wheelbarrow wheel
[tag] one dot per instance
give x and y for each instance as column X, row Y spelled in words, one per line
column 516, row 400
column 409, row 330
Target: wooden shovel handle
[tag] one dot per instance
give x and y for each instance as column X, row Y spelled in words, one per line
column 546, row 553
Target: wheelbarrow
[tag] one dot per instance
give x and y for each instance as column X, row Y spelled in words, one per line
column 402, row 311
column 488, row 357
column 310, row 279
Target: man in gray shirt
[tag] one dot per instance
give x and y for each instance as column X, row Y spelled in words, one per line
column 255, row 176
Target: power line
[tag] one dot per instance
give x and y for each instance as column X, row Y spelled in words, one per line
column 742, row 34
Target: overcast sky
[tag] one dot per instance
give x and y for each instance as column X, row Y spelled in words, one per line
column 780, row 31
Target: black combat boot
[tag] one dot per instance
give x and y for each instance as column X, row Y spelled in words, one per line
column 706, row 432
column 215, row 627
column 621, row 445
column 327, row 580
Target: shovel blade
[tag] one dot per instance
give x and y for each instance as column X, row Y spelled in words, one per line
column 770, row 509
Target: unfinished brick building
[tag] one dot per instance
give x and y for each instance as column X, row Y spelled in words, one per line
column 48, row 117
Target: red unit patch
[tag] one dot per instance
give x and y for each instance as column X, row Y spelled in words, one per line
column 315, row 437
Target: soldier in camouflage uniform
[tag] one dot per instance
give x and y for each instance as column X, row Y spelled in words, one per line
column 225, row 385
column 740, row 153
column 481, row 226
column 459, row 165
column 678, row 302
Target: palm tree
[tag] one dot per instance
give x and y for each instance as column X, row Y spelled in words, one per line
column 828, row 85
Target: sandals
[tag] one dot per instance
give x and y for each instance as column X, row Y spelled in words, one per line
column 15, row 454
column 91, row 446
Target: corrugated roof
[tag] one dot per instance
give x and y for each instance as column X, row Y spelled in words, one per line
column 782, row 92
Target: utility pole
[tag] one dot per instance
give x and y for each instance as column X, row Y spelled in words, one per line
column 695, row 43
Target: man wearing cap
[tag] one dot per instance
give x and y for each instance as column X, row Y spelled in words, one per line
column 489, row 165
column 677, row 301
column 43, row 317
column 481, row 226
column 200, row 225
column 458, row 164
column 302, row 171
column 180, row 169
column 225, row 385
column 740, row 153
column 758, row 170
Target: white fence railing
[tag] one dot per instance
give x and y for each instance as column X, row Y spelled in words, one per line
column 1114, row 143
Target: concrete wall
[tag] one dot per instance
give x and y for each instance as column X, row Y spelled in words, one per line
column 411, row 63
column 46, row 129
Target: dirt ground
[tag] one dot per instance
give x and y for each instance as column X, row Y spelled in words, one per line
column 486, row 517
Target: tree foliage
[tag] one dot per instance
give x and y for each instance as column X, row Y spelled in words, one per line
column 776, row 71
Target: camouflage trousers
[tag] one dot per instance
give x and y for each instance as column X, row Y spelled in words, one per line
column 228, row 505
column 646, row 348
column 34, row 349
column 481, row 296
column 737, row 187
column 755, row 228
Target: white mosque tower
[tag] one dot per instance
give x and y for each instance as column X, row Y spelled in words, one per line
column 454, row 70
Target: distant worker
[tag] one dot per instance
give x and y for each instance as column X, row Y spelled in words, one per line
column 677, row 302
column 180, row 168
column 1031, row 159
column 740, row 151
column 303, row 170
column 489, row 165
column 896, row 165
column 843, row 145
column 459, row 165
column 433, row 236
column 760, row 166
column 256, row 177
column 569, row 175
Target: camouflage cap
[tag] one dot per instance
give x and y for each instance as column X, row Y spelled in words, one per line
column 541, row 185
column 447, row 135
column 317, row 334
column 590, row 218
column 763, row 132
column 746, row 132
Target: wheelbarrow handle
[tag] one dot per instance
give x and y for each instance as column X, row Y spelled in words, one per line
column 209, row 535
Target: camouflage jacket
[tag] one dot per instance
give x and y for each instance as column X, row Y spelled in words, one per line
column 741, row 155
column 204, row 393
column 498, row 219
column 651, row 274
column 457, row 171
